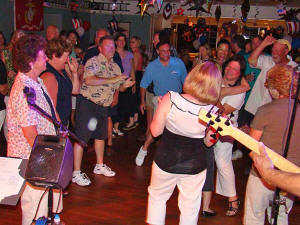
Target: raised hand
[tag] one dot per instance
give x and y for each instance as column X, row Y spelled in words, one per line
column 72, row 64
column 269, row 40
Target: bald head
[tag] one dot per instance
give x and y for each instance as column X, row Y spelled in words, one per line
column 52, row 32
column 99, row 34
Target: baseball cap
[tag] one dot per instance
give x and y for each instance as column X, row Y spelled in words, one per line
column 285, row 42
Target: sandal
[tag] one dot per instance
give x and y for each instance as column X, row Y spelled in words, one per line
column 232, row 211
column 129, row 127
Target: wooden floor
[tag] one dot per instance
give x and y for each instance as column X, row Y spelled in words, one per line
column 122, row 200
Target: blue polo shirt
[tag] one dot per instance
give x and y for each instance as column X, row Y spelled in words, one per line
column 165, row 78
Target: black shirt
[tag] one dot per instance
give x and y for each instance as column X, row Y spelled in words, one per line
column 3, row 80
column 64, row 94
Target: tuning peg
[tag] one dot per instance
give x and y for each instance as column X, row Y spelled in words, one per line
column 218, row 117
column 208, row 115
column 227, row 123
column 209, row 124
column 219, row 129
column 214, row 136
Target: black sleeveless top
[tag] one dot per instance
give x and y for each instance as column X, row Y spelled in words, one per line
column 64, row 94
column 179, row 154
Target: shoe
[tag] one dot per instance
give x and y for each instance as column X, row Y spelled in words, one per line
column 232, row 211
column 139, row 160
column 81, row 179
column 117, row 132
column 130, row 127
column 208, row 214
column 237, row 155
column 104, row 170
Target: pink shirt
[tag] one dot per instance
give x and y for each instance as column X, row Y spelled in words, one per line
column 19, row 115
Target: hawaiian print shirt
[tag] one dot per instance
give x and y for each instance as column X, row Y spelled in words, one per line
column 19, row 115
column 102, row 94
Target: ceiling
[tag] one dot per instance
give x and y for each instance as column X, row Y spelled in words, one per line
column 291, row 3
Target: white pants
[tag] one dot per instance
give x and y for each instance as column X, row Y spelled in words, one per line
column 225, row 184
column 161, row 187
column 30, row 200
column 74, row 102
column 2, row 117
column 257, row 200
column 5, row 130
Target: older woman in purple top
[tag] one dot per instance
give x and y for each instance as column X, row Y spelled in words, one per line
column 127, row 63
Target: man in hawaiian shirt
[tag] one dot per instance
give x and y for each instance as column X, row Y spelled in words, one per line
column 102, row 77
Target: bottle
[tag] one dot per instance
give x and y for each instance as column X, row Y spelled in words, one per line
column 57, row 221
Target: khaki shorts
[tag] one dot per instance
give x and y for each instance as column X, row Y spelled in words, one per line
column 149, row 99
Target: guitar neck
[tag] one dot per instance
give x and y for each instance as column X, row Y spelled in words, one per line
column 252, row 144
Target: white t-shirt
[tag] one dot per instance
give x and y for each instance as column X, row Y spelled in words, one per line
column 259, row 94
column 235, row 101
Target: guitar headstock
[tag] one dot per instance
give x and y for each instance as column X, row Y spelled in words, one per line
column 221, row 124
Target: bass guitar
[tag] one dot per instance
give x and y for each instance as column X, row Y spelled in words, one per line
column 224, row 127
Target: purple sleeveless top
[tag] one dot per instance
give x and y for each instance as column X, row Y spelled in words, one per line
column 126, row 63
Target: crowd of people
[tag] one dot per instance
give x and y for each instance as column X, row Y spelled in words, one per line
column 96, row 90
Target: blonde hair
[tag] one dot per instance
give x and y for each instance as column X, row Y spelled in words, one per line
column 204, row 83
column 280, row 79
column 138, row 40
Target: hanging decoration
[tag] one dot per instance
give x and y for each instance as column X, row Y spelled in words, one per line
column 76, row 22
column 218, row 13
column 143, row 5
column 86, row 25
column 167, row 12
column 180, row 11
column 293, row 27
column 198, row 6
column 151, row 2
column 281, row 8
column 113, row 25
column 209, row 4
column 245, row 10
column 234, row 9
column 78, row 26
column 291, row 15
column 159, row 5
